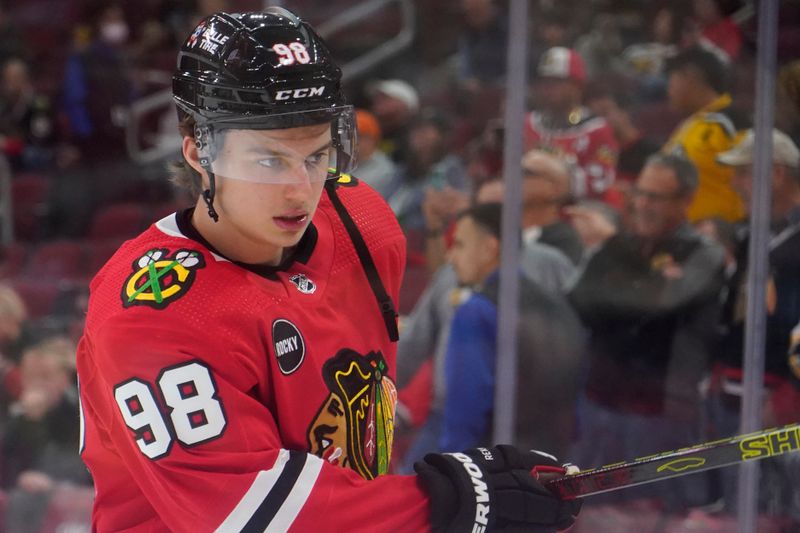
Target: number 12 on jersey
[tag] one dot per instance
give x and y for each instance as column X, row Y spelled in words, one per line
column 190, row 395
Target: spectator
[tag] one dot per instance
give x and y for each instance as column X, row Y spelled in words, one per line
column 650, row 297
column 374, row 167
column 647, row 60
column 428, row 165
column 13, row 315
column 546, row 189
column 39, row 444
column 562, row 125
column 541, row 261
column 97, row 86
column 601, row 47
column 395, row 103
column 11, row 43
column 634, row 144
column 783, row 295
column 550, row 348
column 482, row 45
column 554, row 26
column 723, row 233
column 26, row 121
column 427, row 328
column 717, row 27
column 698, row 89
column 14, row 333
column 787, row 101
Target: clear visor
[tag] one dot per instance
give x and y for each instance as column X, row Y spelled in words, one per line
column 281, row 149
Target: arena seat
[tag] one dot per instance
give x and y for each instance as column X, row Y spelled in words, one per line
column 122, row 221
column 29, row 204
column 58, row 260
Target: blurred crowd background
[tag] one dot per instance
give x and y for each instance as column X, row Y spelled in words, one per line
column 637, row 177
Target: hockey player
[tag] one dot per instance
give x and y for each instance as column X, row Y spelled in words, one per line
column 237, row 366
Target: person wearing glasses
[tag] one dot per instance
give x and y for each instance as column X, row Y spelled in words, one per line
column 650, row 296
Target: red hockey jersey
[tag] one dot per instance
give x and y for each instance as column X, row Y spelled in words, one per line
column 221, row 397
column 588, row 147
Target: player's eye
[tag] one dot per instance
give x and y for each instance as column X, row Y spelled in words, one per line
column 274, row 163
column 320, row 158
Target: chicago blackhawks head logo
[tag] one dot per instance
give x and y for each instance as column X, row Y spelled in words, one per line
column 355, row 425
column 159, row 279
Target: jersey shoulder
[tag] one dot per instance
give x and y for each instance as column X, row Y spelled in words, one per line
column 162, row 272
column 371, row 214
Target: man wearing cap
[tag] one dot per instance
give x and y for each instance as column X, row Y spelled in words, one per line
column 395, row 103
column 783, row 289
column 560, row 124
column 698, row 89
column 372, row 162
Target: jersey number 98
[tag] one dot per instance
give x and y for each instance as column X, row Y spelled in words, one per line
column 190, row 395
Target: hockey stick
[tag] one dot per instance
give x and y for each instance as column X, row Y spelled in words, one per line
column 724, row 452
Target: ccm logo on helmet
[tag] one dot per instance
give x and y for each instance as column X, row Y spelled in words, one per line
column 296, row 94
column 481, row 492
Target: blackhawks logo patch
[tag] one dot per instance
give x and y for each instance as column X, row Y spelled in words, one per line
column 158, row 278
column 354, row 427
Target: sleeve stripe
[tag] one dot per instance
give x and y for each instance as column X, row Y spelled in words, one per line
column 273, row 501
column 262, row 485
column 297, row 497
column 276, row 496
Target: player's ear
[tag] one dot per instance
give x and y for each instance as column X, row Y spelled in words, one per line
column 190, row 154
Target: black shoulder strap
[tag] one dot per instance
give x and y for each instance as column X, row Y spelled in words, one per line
column 384, row 301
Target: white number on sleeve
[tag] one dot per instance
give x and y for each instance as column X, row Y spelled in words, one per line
column 288, row 54
column 141, row 413
column 195, row 412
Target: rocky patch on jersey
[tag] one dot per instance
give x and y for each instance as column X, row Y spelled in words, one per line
column 303, row 283
column 290, row 349
column 354, row 427
column 158, row 278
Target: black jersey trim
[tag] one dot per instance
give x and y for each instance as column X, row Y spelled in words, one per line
column 301, row 253
column 385, row 302
column 277, row 495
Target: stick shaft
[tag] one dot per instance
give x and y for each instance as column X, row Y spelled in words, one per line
column 724, row 452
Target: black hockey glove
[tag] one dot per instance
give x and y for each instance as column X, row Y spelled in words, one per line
column 493, row 489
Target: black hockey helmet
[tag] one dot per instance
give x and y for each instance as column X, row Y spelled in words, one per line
column 256, row 71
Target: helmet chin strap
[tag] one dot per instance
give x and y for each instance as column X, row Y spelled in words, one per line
column 208, row 196
column 200, row 138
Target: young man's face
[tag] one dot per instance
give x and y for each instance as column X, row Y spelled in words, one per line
column 474, row 253
column 268, row 186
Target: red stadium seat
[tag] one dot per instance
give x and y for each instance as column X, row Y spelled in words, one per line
column 59, row 260
column 39, row 295
column 12, row 259
column 118, row 221
column 29, row 205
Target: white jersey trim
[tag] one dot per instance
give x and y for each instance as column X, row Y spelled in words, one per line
column 169, row 226
column 297, row 498
column 248, row 505
column 260, row 489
